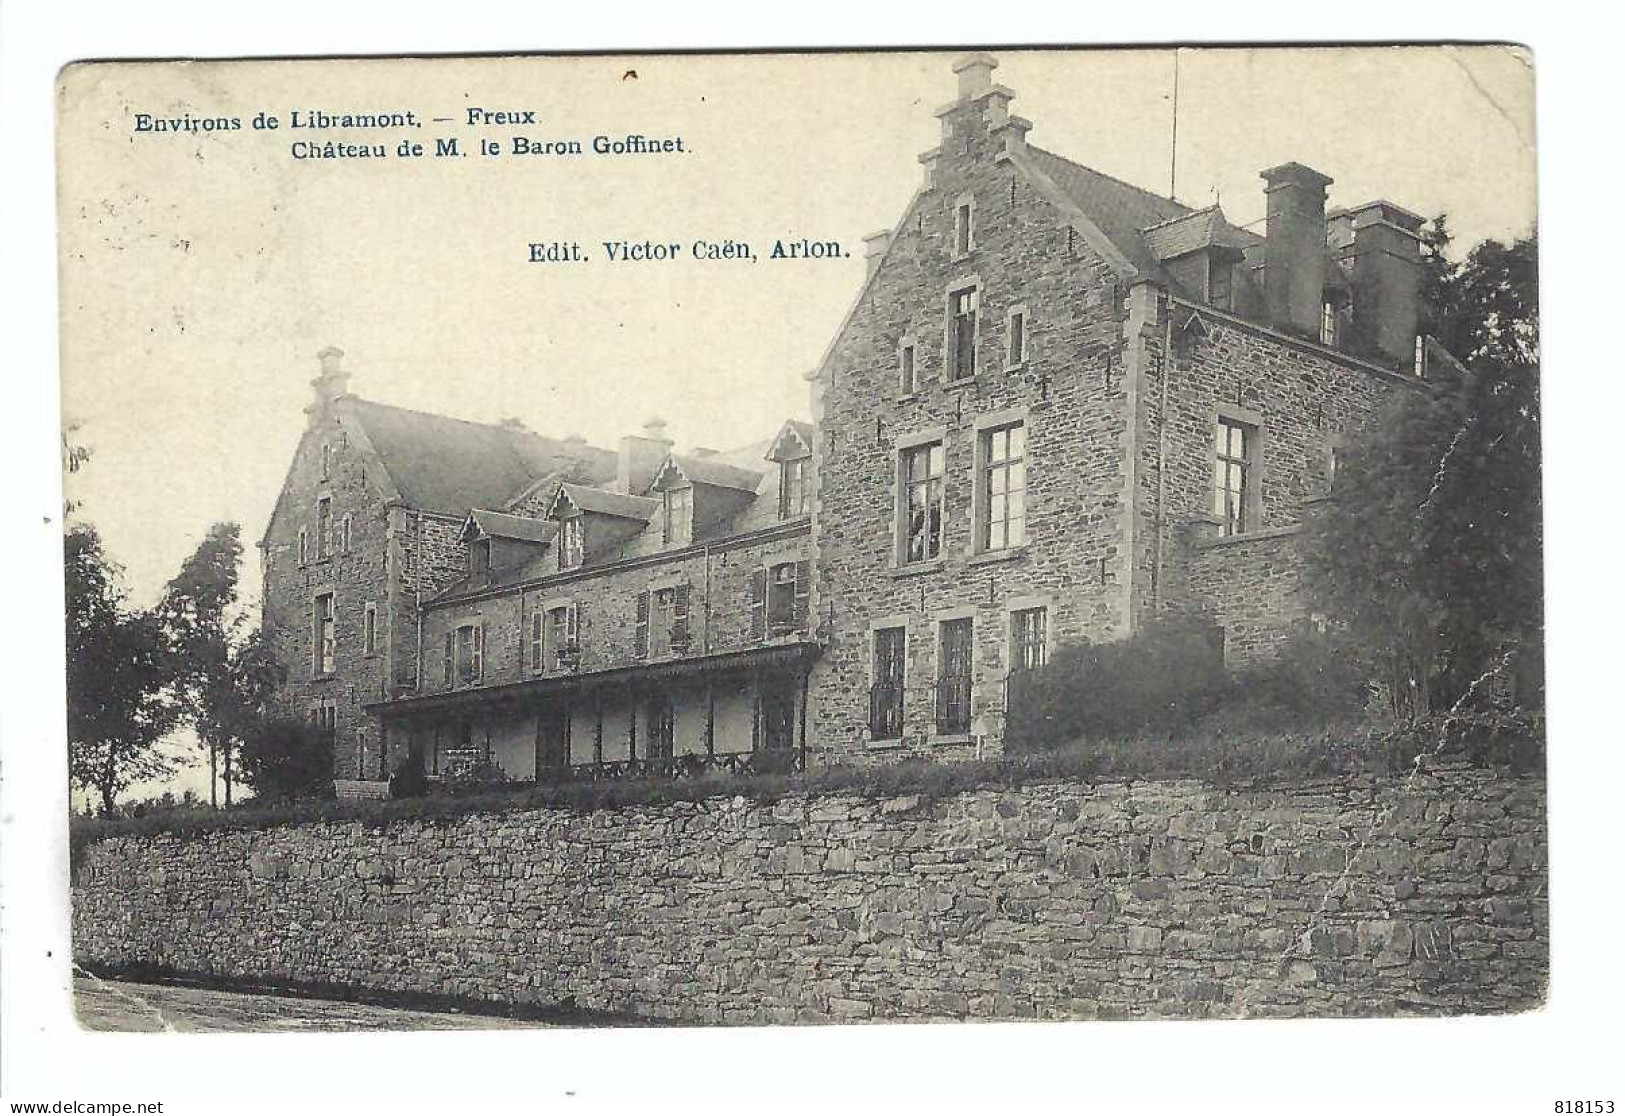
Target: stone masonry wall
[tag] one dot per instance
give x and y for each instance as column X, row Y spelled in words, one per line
column 1252, row 587
column 1069, row 391
column 1053, row 901
column 356, row 576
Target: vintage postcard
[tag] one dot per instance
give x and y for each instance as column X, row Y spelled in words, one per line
column 807, row 538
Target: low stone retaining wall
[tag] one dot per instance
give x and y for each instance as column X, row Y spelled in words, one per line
column 1170, row 899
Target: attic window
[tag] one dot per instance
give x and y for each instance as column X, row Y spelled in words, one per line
column 479, row 556
column 571, row 543
column 1219, row 286
column 793, row 493
column 678, row 516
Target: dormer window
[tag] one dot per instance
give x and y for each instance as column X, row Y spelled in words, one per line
column 678, row 516
column 479, row 556
column 794, row 496
column 1218, row 294
column 572, row 538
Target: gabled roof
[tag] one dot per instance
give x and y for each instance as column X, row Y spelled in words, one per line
column 601, row 501
column 503, row 526
column 1118, row 209
column 709, row 470
column 794, row 439
column 1193, row 232
column 448, row 465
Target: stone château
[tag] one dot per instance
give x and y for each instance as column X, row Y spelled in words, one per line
column 1059, row 406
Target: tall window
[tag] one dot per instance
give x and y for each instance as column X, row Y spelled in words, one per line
column 1219, row 286
column 781, row 597
column 470, row 654
column 886, row 696
column 479, row 556
column 907, row 380
column 1328, row 323
column 1016, row 340
column 964, row 230
column 1004, row 487
column 563, row 635
column 663, row 611
column 1419, row 357
column 537, row 620
column 369, row 629
column 324, row 527
column 794, row 497
column 679, row 516
column 304, row 546
column 923, row 495
column 1235, row 444
column 1027, row 638
column 954, row 678
column 344, row 534
column 661, row 725
column 325, row 642
column 327, row 460
column 572, row 547
column 962, row 310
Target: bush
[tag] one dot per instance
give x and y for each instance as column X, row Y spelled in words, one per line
column 283, row 758
column 1317, row 678
column 410, row 779
column 1159, row 680
column 481, row 776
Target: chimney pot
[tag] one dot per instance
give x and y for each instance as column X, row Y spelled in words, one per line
column 975, row 73
column 1294, row 246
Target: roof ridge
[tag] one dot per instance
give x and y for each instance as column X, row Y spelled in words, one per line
column 463, row 421
column 1113, row 178
column 1206, row 209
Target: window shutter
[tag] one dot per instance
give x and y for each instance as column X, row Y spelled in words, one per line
column 536, row 619
column 479, row 650
column 798, row 614
column 572, row 624
column 679, row 615
column 756, row 722
column 758, row 603
column 640, row 637
column 451, row 654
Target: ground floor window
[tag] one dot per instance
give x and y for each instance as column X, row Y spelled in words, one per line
column 886, row 694
column 661, row 723
column 954, row 678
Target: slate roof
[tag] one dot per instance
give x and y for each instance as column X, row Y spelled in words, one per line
column 448, row 465
column 1192, row 232
column 1130, row 216
column 719, row 474
column 505, row 526
column 605, row 502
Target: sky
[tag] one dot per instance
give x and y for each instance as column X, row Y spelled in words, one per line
column 201, row 273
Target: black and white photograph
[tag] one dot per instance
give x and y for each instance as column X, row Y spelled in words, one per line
column 748, row 544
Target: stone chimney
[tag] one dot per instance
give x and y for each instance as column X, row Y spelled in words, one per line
column 333, row 384
column 874, row 249
column 1381, row 246
column 641, row 457
column 975, row 72
column 1294, row 247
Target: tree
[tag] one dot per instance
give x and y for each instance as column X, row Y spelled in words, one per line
column 118, row 661
column 197, row 610
column 283, row 758
column 1430, row 550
